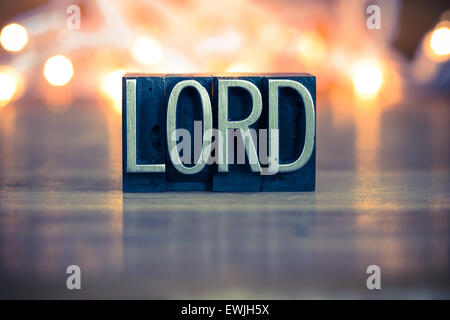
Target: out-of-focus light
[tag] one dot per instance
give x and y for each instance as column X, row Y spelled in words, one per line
column 311, row 48
column 14, row 37
column 440, row 41
column 12, row 84
column 367, row 80
column 147, row 51
column 7, row 88
column 225, row 43
column 436, row 43
column 111, row 86
column 58, row 70
column 239, row 67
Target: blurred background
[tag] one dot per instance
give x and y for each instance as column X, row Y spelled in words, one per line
column 383, row 76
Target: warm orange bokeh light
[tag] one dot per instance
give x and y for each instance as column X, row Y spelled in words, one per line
column 436, row 43
column 14, row 37
column 12, row 85
column 239, row 67
column 311, row 48
column 111, row 86
column 440, row 41
column 367, row 79
column 147, row 51
column 58, row 70
column 7, row 87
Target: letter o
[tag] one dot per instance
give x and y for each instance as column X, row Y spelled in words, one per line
column 172, row 123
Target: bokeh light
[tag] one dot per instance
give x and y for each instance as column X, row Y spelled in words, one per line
column 147, row 51
column 118, row 36
column 111, row 86
column 58, row 70
column 12, row 84
column 239, row 67
column 440, row 41
column 7, row 88
column 14, row 37
column 367, row 79
column 311, row 48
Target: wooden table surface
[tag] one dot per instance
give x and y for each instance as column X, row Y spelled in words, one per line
column 382, row 199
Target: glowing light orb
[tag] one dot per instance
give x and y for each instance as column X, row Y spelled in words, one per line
column 58, row 70
column 311, row 48
column 440, row 41
column 111, row 86
column 7, row 87
column 367, row 80
column 147, row 51
column 14, row 37
column 239, row 67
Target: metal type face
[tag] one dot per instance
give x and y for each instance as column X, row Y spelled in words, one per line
column 310, row 122
column 251, row 115
column 242, row 125
column 172, row 123
column 132, row 166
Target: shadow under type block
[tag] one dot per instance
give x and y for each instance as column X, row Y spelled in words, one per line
column 220, row 132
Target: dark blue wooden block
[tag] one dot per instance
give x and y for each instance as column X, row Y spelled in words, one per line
column 239, row 178
column 189, row 109
column 150, row 133
column 292, row 136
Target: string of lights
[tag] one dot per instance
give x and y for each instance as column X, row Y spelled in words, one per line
column 115, row 38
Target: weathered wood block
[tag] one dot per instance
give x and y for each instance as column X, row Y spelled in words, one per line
column 143, row 133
